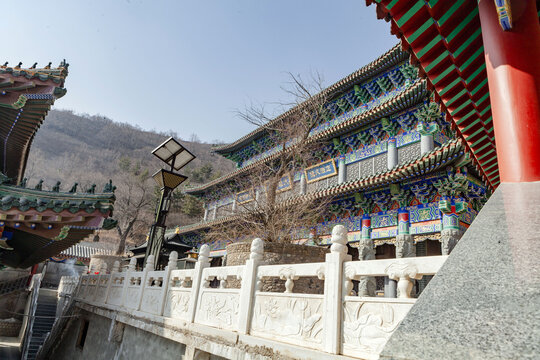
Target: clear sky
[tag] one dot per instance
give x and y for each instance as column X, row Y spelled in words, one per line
column 188, row 65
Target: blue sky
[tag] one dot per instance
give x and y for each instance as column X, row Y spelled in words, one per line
column 187, row 66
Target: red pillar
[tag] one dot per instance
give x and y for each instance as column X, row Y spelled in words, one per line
column 513, row 69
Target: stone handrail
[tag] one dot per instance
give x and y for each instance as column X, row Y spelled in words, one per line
column 333, row 322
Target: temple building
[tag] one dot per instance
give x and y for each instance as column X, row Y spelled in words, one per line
column 407, row 159
column 390, row 159
column 36, row 223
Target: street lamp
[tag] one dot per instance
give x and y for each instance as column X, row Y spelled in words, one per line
column 176, row 156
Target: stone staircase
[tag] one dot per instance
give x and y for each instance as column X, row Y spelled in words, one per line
column 43, row 321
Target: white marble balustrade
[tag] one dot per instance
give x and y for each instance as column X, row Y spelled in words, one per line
column 335, row 321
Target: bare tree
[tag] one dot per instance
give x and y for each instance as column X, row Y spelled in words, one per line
column 134, row 198
column 263, row 207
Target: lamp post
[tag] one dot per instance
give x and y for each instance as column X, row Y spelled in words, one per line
column 176, row 156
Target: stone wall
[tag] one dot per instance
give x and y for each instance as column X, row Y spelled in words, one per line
column 10, row 327
column 131, row 343
column 281, row 253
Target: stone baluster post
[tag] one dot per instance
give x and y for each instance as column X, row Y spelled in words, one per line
column 342, row 170
column 333, row 290
column 391, row 154
column 303, row 184
column 132, row 267
column 214, row 212
column 171, row 265
column 249, row 286
column 149, row 267
column 202, row 263
column 426, row 136
column 234, row 205
column 366, row 251
column 115, row 269
column 205, row 206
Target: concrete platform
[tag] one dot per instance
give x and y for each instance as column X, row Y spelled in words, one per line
column 484, row 303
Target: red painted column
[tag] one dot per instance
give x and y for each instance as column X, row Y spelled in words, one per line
column 513, row 69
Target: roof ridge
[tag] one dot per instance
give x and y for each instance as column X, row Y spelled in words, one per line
column 366, row 115
column 355, row 76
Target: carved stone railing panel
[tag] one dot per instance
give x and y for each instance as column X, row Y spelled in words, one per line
column 133, row 290
column 332, row 322
column 116, row 288
column 290, row 318
column 368, row 323
column 90, row 288
column 177, row 303
column 100, row 293
column 218, row 308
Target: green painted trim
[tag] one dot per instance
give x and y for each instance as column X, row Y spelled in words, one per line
column 479, row 140
column 437, row 61
column 489, row 167
column 391, row 4
column 469, row 114
column 471, row 59
column 450, row 12
column 467, row 42
column 475, row 74
column 476, row 89
column 420, row 30
column 409, row 14
column 485, row 110
column 482, row 99
column 429, row 45
column 462, row 25
column 477, row 131
column 460, row 107
column 457, row 96
column 483, row 147
column 443, row 74
column 486, row 154
column 450, row 86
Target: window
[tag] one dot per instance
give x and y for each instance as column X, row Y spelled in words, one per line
column 82, row 333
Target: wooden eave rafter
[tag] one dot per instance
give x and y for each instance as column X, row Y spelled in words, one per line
column 445, row 40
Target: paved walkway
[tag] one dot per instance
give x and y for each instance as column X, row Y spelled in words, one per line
column 9, row 348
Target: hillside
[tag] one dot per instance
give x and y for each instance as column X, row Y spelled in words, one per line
column 93, row 149
column 86, row 149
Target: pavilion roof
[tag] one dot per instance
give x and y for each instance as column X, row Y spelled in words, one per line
column 44, row 223
column 39, row 201
column 392, row 57
column 436, row 159
column 404, row 100
column 26, row 95
column 445, row 39
column 82, row 251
